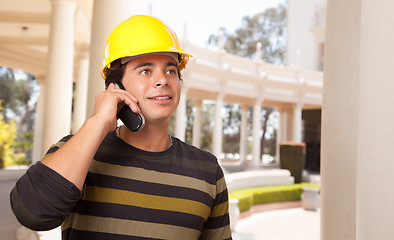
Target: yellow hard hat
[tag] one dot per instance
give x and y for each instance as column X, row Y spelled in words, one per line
column 138, row 35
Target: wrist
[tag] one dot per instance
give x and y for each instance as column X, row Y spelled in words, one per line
column 95, row 123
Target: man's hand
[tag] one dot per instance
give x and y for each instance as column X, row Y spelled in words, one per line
column 73, row 159
column 107, row 102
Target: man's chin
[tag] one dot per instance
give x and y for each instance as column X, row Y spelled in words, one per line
column 157, row 120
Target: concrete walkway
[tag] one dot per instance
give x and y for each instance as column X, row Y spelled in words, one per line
column 284, row 224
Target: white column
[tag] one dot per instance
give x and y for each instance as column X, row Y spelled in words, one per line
column 197, row 124
column 358, row 127
column 58, row 96
column 282, row 132
column 106, row 15
column 283, row 118
column 39, row 123
column 297, row 122
column 290, row 124
column 257, row 133
column 181, row 118
column 81, row 90
column 243, row 134
column 218, row 127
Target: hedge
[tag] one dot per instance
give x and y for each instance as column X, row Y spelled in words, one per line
column 268, row 194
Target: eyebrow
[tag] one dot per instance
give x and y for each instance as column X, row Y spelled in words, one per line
column 168, row 64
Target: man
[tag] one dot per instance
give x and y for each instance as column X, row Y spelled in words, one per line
column 108, row 182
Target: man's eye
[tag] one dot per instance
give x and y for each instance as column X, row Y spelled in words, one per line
column 144, row 72
column 172, row 72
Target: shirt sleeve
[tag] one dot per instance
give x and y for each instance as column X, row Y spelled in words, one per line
column 218, row 224
column 42, row 198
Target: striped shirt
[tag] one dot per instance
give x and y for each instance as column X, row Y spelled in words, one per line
column 129, row 193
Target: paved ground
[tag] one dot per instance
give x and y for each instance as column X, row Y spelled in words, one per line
column 285, row 224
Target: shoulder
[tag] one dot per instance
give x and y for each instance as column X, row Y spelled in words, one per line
column 192, row 152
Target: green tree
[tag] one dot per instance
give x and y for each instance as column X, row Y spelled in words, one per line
column 7, row 139
column 268, row 29
column 7, row 79
column 18, row 91
column 231, row 123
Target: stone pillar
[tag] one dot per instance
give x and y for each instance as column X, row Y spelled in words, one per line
column 39, row 123
column 357, row 121
column 59, row 78
column 297, row 122
column 81, row 89
column 257, row 133
column 180, row 118
column 283, row 118
column 283, row 131
column 218, row 127
column 106, row 15
column 289, row 123
column 197, row 124
column 243, row 142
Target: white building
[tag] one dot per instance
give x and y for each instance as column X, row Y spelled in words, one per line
column 306, row 33
column 52, row 39
column 62, row 37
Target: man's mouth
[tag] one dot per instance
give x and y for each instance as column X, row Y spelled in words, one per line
column 161, row 98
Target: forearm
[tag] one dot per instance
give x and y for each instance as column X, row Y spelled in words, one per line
column 73, row 159
column 41, row 199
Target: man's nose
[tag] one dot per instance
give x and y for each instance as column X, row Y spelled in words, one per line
column 161, row 80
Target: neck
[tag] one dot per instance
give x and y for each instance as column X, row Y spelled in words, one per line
column 152, row 139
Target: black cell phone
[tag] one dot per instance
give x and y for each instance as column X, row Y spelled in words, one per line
column 133, row 121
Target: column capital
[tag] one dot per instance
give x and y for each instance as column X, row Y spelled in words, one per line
column 245, row 106
column 40, row 79
column 259, row 101
column 197, row 102
column 220, row 95
column 260, row 96
column 301, row 102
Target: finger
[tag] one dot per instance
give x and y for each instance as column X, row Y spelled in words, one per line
column 111, row 86
column 128, row 99
column 125, row 97
column 133, row 105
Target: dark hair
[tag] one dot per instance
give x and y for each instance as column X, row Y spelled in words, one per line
column 116, row 71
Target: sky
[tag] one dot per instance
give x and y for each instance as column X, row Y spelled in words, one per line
column 203, row 17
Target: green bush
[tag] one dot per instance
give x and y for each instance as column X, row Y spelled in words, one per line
column 245, row 200
column 269, row 194
column 20, row 159
column 7, row 139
